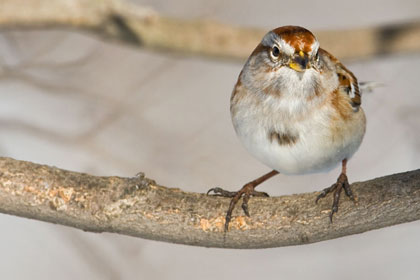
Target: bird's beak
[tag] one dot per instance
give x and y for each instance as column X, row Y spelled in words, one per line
column 300, row 62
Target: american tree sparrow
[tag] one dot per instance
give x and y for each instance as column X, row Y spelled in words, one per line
column 296, row 108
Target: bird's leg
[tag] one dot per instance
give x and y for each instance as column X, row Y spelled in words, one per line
column 246, row 192
column 342, row 183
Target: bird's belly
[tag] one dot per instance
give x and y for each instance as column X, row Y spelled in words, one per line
column 317, row 147
column 298, row 159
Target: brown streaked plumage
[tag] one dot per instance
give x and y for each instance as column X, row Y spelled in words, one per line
column 296, row 108
column 341, row 105
column 347, row 80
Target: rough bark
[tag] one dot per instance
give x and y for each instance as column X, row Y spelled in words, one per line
column 139, row 207
column 139, row 26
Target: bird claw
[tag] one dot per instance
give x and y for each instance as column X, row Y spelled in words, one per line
column 342, row 183
column 220, row 192
column 246, row 192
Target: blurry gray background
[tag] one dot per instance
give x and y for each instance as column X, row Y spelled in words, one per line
column 72, row 101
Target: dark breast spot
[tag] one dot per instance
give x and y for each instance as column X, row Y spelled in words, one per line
column 283, row 138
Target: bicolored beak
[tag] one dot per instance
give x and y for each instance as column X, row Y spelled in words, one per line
column 300, row 62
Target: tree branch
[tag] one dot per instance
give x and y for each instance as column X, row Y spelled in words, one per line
column 139, row 207
column 139, row 26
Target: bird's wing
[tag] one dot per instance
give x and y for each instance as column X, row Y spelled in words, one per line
column 347, row 81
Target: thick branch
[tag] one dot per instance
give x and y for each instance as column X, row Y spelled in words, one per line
column 139, row 207
column 121, row 21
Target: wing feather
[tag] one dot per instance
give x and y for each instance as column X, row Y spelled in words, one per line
column 347, row 81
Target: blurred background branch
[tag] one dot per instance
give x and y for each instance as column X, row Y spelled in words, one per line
column 139, row 207
column 126, row 22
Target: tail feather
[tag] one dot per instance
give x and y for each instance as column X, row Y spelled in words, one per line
column 368, row 87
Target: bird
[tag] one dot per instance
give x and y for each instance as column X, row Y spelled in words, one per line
column 297, row 109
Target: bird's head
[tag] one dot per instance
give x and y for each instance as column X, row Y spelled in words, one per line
column 285, row 61
column 291, row 46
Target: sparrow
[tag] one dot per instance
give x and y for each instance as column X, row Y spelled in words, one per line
column 296, row 108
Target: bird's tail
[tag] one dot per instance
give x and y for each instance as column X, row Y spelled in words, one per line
column 368, row 87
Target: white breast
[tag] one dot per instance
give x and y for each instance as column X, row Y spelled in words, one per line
column 315, row 150
column 319, row 146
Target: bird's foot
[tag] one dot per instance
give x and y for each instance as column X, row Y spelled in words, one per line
column 342, row 183
column 246, row 192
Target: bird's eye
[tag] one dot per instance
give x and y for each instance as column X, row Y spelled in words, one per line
column 275, row 52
